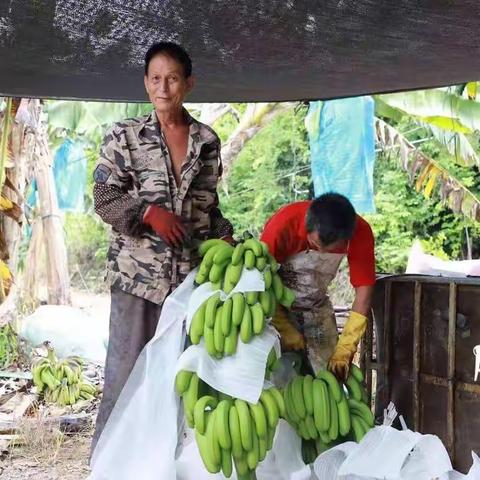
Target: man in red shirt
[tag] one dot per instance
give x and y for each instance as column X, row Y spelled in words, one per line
column 310, row 239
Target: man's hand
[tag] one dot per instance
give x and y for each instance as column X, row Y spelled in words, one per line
column 167, row 225
column 346, row 348
column 290, row 337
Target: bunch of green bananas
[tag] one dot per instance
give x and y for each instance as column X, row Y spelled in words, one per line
column 61, row 382
column 321, row 410
column 230, row 432
column 241, row 315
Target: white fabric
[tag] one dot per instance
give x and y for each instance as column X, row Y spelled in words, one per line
column 240, row 375
column 423, row 264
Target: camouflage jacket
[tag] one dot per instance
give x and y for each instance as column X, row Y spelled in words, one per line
column 133, row 171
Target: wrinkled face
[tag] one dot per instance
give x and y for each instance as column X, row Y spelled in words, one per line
column 316, row 244
column 166, row 84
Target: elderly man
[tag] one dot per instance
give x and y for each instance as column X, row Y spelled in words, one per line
column 156, row 185
column 310, row 239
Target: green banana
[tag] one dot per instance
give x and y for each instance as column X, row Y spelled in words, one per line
column 227, row 317
column 209, row 336
column 255, row 246
column 354, row 388
column 310, row 425
column 324, row 438
column 267, row 277
column 265, row 250
column 288, row 297
column 358, row 432
column 279, row 400
column 198, row 323
column 333, row 429
column 227, row 464
column 212, row 438
column 48, row 378
column 218, row 337
column 253, row 454
column 357, row 373
column 271, row 409
column 273, row 263
column 291, row 412
column 258, row 318
column 261, row 263
column 297, row 396
column 332, row 383
column 251, row 297
column 217, row 271
column 265, row 302
column 37, row 379
column 231, row 342
column 277, row 286
column 249, row 259
column 246, row 327
column 362, row 410
column 303, row 431
column 259, row 419
column 224, row 253
column 221, row 424
column 344, row 420
column 238, row 307
column 273, row 304
column 199, row 412
column 241, row 467
column 206, row 245
column 246, row 431
column 234, row 424
column 270, row 438
column 211, row 309
column 206, row 454
column 321, row 405
column 262, row 447
column 191, row 396
column 308, row 393
column 238, row 252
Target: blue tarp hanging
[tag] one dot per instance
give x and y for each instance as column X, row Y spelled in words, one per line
column 70, row 175
column 342, row 148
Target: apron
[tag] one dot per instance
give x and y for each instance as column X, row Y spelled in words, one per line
column 309, row 274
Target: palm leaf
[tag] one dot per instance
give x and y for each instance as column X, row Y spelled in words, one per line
column 437, row 107
column 427, row 174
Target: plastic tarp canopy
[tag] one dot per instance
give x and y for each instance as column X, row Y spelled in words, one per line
column 246, row 50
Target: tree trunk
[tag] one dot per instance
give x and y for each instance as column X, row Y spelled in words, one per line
column 54, row 240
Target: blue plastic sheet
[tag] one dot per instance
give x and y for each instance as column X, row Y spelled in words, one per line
column 342, row 147
column 70, row 175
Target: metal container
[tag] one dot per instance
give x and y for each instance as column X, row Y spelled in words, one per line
column 425, row 331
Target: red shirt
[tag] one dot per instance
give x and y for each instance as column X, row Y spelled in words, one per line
column 286, row 234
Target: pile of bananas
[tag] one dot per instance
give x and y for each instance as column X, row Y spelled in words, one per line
column 61, row 382
column 321, row 411
column 241, row 315
column 230, row 432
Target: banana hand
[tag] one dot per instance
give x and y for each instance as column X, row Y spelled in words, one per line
column 346, row 348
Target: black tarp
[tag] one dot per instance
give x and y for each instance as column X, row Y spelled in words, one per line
column 243, row 50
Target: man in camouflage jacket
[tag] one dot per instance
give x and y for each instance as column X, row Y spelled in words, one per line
column 135, row 173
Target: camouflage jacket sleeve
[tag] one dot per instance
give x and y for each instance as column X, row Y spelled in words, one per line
column 220, row 226
column 112, row 182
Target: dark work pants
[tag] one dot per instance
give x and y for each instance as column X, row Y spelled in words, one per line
column 133, row 321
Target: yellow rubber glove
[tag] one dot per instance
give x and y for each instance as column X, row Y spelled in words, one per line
column 290, row 337
column 346, row 348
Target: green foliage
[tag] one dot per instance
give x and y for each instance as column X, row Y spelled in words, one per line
column 272, row 170
column 9, row 352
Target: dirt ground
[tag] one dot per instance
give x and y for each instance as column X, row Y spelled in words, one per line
column 66, row 461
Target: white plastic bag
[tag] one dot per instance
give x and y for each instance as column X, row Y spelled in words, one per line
column 70, row 331
column 140, row 438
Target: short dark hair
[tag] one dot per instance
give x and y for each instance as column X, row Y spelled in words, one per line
column 332, row 216
column 174, row 51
